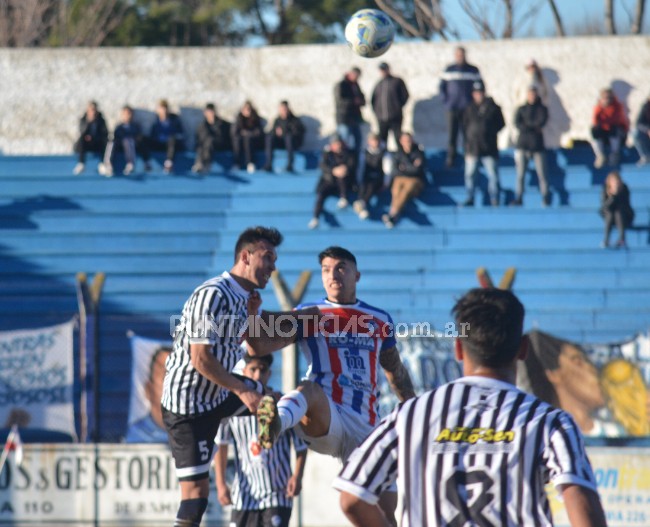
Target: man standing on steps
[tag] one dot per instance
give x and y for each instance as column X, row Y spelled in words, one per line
column 199, row 389
column 337, row 407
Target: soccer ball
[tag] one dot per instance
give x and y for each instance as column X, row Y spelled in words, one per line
column 370, row 32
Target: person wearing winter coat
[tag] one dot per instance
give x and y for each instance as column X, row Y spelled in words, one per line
column 609, row 127
column 388, row 100
column 93, row 136
column 287, row 132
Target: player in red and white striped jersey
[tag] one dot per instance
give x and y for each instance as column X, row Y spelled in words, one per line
column 336, row 408
column 475, row 451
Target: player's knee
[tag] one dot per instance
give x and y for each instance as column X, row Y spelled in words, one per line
column 190, row 512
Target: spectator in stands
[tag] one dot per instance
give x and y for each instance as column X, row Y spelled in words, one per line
column 609, row 128
column 212, row 135
column 456, row 90
column 409, row 180
column 533, row 76
column 128, row 140
column 247, row 136
column 375, row 167
column 337, row 165
column 530, row 120
column 388, row 99
column 287, row 132
column 482, row 121
column 93, row 135
column 166, row 135
column 151, row 429
column 616, row 208
column 349, row 100
column 642, row 134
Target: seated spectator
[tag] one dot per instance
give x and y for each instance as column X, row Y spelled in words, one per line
column 409, row 180
column 166, row 135
column 616, row 208
column 374, row 166
column 93, row 136
column 642, row 134
column 337, row 164
column 287, row 132
column 609, row 128
column 482, row 121
column 212, row 135
column 530, row 120
column 128, row 140
column 247, row 136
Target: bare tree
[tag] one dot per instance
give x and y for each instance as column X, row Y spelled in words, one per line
column 637, row 24
column 25, row 23
column 505, row 22
column 557, row 19
column 610, row 25
column 87, row 23
column 425, row 19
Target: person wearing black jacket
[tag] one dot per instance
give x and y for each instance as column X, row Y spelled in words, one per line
column 349, row 100
column 616, row 208
column 212, row 135
column 482, row 121
column 166, row 135
column 93, row 135
column 530, row 120
column 388, row 99
column 642, row 134
column 409, row 180
column 287, row 132
column 337, row 165
column 247, row 135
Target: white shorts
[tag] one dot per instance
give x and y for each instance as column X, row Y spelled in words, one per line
column 347, row 431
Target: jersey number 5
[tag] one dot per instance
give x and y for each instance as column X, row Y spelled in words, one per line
column 481, row 484
column 205, row 451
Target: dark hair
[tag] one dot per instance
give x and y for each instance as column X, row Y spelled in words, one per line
column 337, row 252
column 253, row 235
column 284, row 103
column 128, row 108
column 496, row 320
column 356, row 70
column 210, row 106
column 266, row 359
column 154, row 358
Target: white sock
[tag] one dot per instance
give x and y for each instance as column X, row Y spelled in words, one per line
column 291, row 409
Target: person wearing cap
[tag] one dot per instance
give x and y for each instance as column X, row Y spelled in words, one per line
column 388, row 100
column 482, row 121
column 456, row 90
column 609, row 127
column 349, row 100
column 530, row 120
column 287, row 132
column 166, row 135
column 212, row 135
column 337, row 166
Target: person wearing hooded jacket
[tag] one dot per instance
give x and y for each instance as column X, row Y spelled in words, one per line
column 482, row 121
column 530, row 120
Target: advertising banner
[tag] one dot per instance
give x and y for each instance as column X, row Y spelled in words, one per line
column 36, row 378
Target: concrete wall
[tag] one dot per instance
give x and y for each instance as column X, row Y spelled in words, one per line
column 43, row 92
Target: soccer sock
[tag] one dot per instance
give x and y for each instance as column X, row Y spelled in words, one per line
column 190, row 512
column 291, row 409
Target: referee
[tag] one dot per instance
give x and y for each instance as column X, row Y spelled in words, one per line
column 475, row 451
column 199, row 389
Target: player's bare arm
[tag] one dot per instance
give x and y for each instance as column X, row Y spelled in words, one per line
column 361, row 513
column 220, row 463
column 207, row 365
column 294, row 486
column 271, row 331
column 396, row 373
column 583, row 507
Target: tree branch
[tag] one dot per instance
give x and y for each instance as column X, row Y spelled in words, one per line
column 609, row 17
column 559, row 26
column 637, row 24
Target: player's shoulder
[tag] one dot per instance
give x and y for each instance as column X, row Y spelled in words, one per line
column 375, row 311
column 317, row 303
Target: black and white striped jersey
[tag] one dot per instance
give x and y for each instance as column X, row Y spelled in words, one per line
column 475, row 451
column 215, row 314
column 260, row 480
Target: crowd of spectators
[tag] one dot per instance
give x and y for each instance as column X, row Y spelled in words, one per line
column 359, row 171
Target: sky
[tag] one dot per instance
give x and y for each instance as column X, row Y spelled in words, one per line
column 573, row 12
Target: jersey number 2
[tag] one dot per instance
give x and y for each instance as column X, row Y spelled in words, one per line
column 470, row 513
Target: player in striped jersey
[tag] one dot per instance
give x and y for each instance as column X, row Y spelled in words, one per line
column 199, row 389
column 475, row 451
column 264, row 486
column 337, row 406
